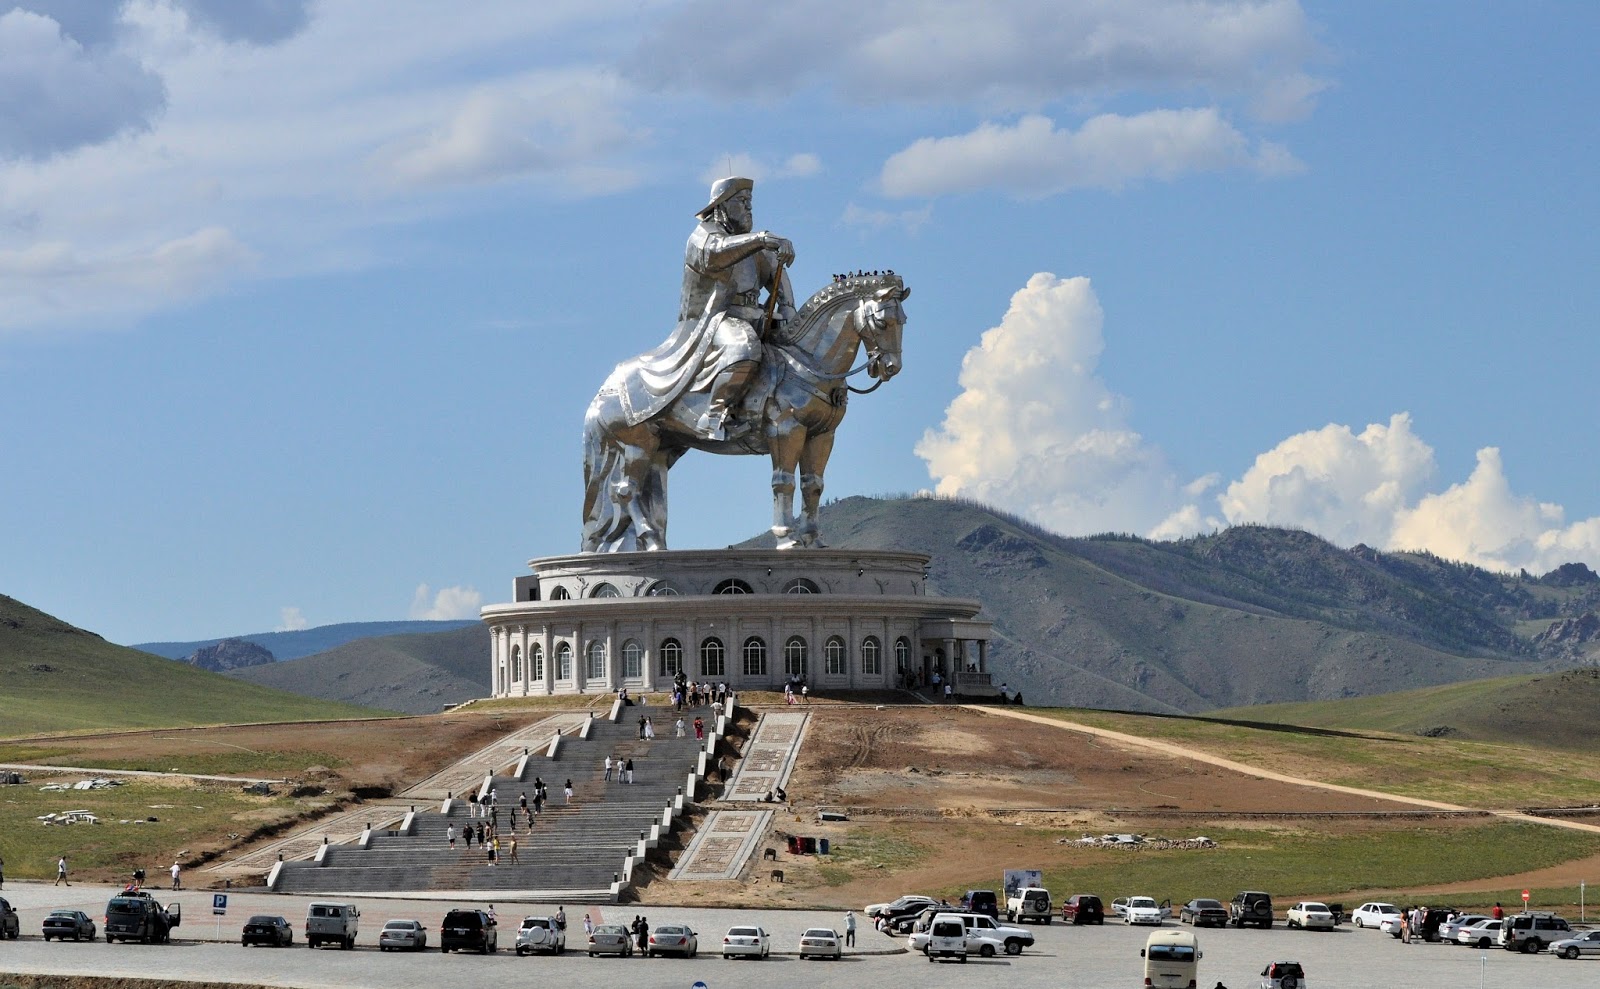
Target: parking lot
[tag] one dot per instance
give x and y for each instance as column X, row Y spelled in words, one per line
column 1088, row 957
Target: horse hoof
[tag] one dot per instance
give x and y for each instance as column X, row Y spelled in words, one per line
column 788, row 543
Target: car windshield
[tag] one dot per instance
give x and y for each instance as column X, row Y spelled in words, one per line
column 1141, row 901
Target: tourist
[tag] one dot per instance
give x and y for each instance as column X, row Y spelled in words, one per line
column 644, row 935
column 642, row 720
column 492, row 849
column 61, row 871
column 608, row 769
column 699, row 728
column 561, row 918
column 176, row 882
column 588, row 924
column 805, row 692
column 568, row 791
column 472, row 806
column 483, row 834
column 949, row 692
column 2, row 873
column 467, row 831
column 522, row 801
column 680, row 727
column 450, row 834
column 849, row 928
column 627, row 770
column 649, row 730
column 513, row 851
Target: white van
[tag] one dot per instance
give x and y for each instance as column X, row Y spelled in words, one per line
column 332, row 923
column 1171, row 960
column 947, row 938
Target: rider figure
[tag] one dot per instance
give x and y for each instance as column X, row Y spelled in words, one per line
column 726, row 267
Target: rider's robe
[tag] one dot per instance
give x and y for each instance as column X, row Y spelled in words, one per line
column 719, row 322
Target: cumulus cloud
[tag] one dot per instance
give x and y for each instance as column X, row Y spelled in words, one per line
column 57, row 94
column 545, row 125
column 291, row 620
column 253, row 21
column 1035, row 429
column 758, row 168
column 449, row 603
column 1009, row 54
column 1033, row 157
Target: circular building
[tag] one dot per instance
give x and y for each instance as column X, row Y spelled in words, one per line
column 751, row 618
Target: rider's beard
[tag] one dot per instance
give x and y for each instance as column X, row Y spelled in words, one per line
column 742, row 225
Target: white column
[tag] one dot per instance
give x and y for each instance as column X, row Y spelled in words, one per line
column 613, row 675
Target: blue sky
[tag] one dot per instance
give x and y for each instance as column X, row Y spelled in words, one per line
column 303, row 302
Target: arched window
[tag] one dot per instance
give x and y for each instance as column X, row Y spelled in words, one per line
column 559, row 594
column 733, row 585
column 794, row 656
column 605, row 591
column 902, row 655
column 595, row 661
column 833, row 656
column 632, row 659
column 564, row 661
column 871, row 657
column 755, row 657
column 536, row 662
column 671, row 658
column 713, row 658
column 801, row 585
column 661, row 589
column 516, row 664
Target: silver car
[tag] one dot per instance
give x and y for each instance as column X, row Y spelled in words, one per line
column 610, row 939
column 403, row 935
column 673, row 939
column 1587, row 943
column 541, row 934
column 748, row 942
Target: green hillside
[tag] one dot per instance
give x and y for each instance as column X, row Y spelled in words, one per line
column 1556, row 710
column 58, row 678
column 416, row 673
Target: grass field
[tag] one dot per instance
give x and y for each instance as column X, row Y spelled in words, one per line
column 1472, row 774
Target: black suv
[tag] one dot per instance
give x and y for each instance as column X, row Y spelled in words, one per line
column 1531, row 933
column 981, row 901
column 1251, row 908
column 138, row 917
column 463, row 929
column 10, row 926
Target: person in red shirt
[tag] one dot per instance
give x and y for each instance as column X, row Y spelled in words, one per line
column 1499, row 912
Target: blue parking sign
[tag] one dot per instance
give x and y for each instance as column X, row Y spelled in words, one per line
column 219, row 903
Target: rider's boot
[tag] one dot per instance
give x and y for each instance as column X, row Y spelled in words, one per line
column 726, row 392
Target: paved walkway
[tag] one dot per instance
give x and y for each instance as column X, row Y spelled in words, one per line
column 769, row 756
column 1184, row 752
column 722, row 845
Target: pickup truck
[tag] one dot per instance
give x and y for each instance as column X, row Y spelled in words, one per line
column 136, row 916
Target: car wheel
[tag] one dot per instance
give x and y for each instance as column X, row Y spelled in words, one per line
column 1013, row 947
column 108, row 939
column 1531, row 946
column 987, row 951
column 1569, row 953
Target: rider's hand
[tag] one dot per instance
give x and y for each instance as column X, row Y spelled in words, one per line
column 785, row 249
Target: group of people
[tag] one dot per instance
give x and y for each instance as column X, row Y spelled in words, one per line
column 791, row 695
column 485, row 811
column 1414, row 920
column 622, row 768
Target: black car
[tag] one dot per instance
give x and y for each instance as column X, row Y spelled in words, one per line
column 10, row 925
column 981, row 901
column 138, row 917
column 65, row 924
column 1251, row 907
column 1203, row 913
column 262, row 929
column 1083, row 908
column 468, row 930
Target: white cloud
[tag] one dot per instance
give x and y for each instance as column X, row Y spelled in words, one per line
column 449, row 603
column 761, row 168
column 1033, row 158
column 1002, row 54
column 291, row 620
column 910, row 220
column 1035, row 430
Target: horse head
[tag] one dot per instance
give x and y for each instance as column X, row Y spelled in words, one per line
column 879, row 320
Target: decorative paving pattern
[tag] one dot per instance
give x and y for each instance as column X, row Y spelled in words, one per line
column 769, row 758
column 723, row 845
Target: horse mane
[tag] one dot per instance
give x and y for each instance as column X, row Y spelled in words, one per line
column 844, row 288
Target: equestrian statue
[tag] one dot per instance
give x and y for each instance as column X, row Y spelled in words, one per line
column 743, row 372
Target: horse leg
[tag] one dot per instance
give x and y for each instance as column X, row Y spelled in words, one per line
column 640, row 496
column 784, row 444
column 813, row 462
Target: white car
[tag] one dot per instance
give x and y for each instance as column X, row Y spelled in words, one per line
column 1479, row 935
column 750, row 942
column 985, row 936
column 541, row 934
column 1587, row 943
column 1283, row 975
column 1391, row 926
column 1141, row 910
column 403, row 935
column 1374, row 914
column 1308, row 914
column 1451, row 928
column 820, row 942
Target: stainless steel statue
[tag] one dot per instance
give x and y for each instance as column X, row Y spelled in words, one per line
column 740, row 374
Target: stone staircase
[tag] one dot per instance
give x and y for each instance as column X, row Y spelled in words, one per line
column 576, row 852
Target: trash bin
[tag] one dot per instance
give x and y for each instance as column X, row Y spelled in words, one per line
column 794, row 844
column 822, row 846
column 810, row 845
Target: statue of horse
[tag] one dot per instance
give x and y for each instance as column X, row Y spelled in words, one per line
column 790, row 412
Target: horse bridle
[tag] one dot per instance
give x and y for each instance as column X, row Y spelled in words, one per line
column 874, row 353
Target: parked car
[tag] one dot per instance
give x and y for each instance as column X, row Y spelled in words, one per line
column 544, row 934
column 673, row 939
column 607, row 939
column 1392, row 925
column 981, row 901
column 1587, row 943
column 900, row 905
column 468, row 930
column 267, row 929
column 1141, row 910
column 403, row 935
column 823, row 942
column 1283, row 975
column 138, row 917
column 1373, row 914
column 1309, row 915
column 68, row 923
column 1450, row 928
column 900, row 921
column 1251, row 907
column 1480, row 935
column 1427, row 929
column 1203, row 913
column 1029, row 903
column 10, row 923
column 1530, row 932
column 1083, row 908
column 748, row 942
column 985, row 936
column 332, row 923
column 947, row 938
